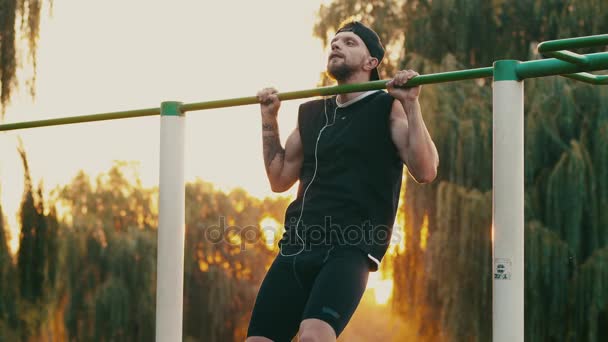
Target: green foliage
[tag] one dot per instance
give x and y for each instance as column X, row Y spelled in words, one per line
column 24, row 15
column 111, row 257
column 548, row 263
column 8, row 305
column 112, row 311
column 33, row 230
column 35, row 297
column 598, row 149
column 462, row 226
column 591, row 298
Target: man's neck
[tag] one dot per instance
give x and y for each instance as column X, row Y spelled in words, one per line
column 357, row 78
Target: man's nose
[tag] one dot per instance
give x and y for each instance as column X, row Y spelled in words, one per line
column 335, row 46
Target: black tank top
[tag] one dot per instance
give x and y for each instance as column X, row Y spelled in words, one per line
column 355, row 192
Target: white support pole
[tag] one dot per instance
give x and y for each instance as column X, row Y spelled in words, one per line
column 508, row 204
column 171, row 225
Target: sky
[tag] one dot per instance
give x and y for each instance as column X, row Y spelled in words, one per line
column 114, row 55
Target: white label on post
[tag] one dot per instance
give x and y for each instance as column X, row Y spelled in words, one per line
column 502, row 269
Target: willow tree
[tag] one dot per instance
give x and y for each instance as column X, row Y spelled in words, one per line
column 443, row 276
column 17, row 17
column 31, row 256
column 8, row 289
column 110, row 245
column 37, row 260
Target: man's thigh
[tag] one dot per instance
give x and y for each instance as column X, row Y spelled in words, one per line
column 338, row 288
column 278, row 308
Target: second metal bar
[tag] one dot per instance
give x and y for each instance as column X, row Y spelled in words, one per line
column 508, row 204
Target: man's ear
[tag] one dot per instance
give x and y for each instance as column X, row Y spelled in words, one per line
column 371, row 64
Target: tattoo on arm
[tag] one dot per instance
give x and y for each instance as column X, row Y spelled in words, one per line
column 272, row 143
column 268, row 127
column 272, row 148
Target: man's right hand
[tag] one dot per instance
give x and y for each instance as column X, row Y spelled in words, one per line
column 269, row 101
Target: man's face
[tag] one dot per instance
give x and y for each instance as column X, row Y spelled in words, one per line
column 348, row 55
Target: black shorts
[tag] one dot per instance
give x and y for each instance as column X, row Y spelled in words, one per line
column 324, row 283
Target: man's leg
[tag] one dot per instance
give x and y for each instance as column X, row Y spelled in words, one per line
column 335, row 295
column 316, row 330
column 258, row 339
column 279, row 304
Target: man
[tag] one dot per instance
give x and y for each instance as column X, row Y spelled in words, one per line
column 348, row 153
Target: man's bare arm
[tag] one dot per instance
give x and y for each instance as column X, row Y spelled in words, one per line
column 408, row 131
column 282, row 164
column 413, row 141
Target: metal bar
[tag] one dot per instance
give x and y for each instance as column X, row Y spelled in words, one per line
column 171, row 224
column 568, row 56
column 323, row 91
column 573, row 43
column 508, row 204
column 348, row 88
column 589, row 78
column 552, row 66
column 81, row 119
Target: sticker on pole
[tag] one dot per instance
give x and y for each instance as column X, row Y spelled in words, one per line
column 502, row 269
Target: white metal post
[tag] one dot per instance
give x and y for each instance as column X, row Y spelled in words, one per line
column 508, row 204
column 171, row 225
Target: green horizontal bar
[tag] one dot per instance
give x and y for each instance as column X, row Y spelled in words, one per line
column 347, row 88
column 573, row 43
column 589, row 78
column 323, row 91
column 552, row 66
column 81, row 119
column 568, row 56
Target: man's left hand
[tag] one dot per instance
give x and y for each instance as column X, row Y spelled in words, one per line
column 395, row 85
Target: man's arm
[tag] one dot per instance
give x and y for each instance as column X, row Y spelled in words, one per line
column 408, row 131
column 282, row 164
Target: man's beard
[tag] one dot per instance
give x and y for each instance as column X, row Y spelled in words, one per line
column 340, row 72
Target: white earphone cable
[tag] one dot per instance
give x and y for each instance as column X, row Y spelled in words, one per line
column 313, row 177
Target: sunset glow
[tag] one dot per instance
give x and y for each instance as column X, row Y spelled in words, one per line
column 383, row 288
column 424, row 232
column 271, row 229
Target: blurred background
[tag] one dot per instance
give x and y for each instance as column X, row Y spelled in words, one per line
column 78, row 203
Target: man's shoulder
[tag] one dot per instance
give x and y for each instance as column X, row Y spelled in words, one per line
column 379, row 100
column 383, row 97
column 314, row 106
column 314, row 103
